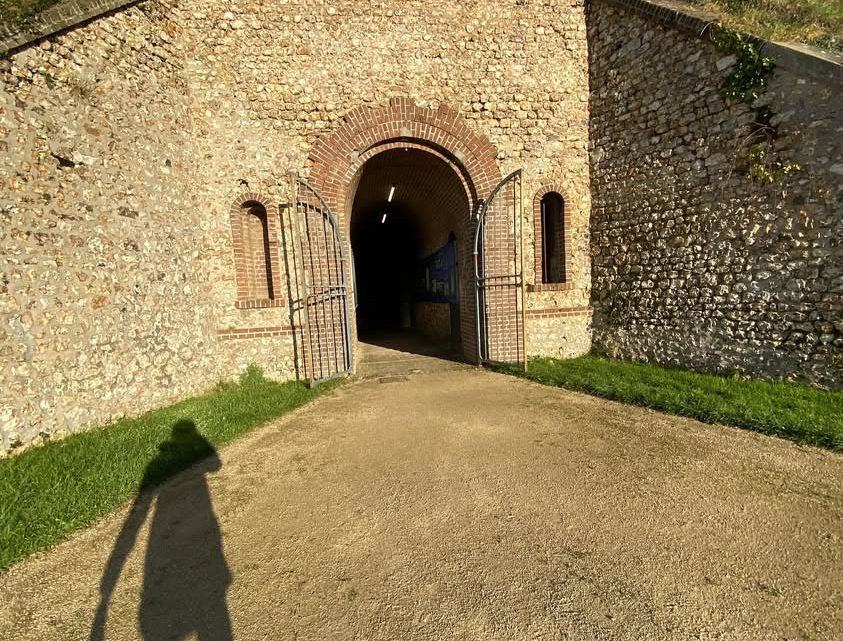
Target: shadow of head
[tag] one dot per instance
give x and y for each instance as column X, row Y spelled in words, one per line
column 182, row 434
column 183, row 447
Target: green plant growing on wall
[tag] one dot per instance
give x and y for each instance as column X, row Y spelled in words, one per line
column 747, row 79
column 19, row 13
column 765, row 167
column 751, row 72
column 812, row 22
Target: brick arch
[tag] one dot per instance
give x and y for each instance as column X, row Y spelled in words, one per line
column 250, row 196
column 337, row 159
column 538, row 239
column 365, row 131
column 355, row 173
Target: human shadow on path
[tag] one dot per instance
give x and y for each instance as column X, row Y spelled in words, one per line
column 185, row 574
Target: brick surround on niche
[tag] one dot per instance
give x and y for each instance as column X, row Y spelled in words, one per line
column 260, row 303
column 253, row 332
column 559, row 313
column 538, row 236
column 257, row 264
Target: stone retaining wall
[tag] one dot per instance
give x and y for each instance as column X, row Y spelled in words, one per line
column 695, row 265
column 105, row 264
column 99, row 292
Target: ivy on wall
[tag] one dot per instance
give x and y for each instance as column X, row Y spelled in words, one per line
column 746, row 81
column 749, row 75
column 764, row 165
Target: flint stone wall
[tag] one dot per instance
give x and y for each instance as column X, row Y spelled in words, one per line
column 106, row 266
column 269, row 79
column 128, row 138
column 693, row 264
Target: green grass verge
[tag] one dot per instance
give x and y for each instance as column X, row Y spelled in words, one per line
column 798, row 412
column 814, row 22
column 48, row 492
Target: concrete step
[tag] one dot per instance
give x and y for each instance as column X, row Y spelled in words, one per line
column 409, row 364
column 404, row 353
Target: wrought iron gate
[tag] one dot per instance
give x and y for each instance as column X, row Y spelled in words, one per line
column 324, row 348
column 499, row 275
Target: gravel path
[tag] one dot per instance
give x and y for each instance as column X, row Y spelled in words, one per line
column 461, row 505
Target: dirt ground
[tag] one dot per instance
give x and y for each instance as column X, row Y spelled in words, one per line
column 460, row 505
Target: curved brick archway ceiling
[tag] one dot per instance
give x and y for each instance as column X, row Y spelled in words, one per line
column 426, row 189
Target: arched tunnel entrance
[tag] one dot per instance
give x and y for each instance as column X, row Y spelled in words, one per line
column 408, row 223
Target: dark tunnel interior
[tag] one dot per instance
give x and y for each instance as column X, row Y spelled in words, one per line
column 385, row 242
column 408, row 210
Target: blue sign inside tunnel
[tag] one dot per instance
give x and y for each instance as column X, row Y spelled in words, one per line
column 438, row 280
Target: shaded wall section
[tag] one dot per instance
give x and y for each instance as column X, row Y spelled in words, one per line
column 694, row 264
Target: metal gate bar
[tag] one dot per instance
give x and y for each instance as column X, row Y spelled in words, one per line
column 326, row 350
column 498, row 271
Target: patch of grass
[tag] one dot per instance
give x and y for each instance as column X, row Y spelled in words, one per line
column 798, row 412
column 16, row 12
column 813, row 22
column 49, row 492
